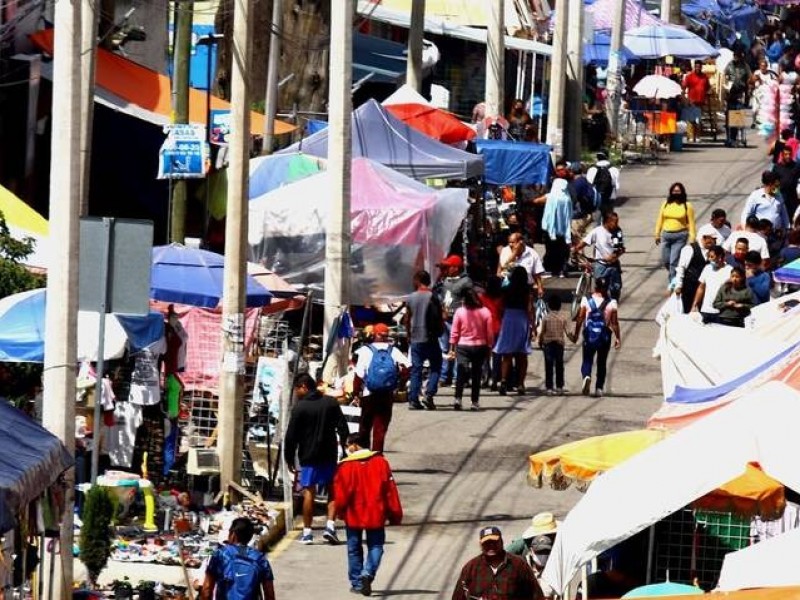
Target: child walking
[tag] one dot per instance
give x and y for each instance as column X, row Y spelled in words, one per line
column 551, row 340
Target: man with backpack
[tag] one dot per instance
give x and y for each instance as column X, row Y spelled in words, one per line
column 425, row 324
column 380, row 366
column 597, row 320
column 605, row 179
column 237, row 572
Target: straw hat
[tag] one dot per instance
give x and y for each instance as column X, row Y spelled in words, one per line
column 542, row 523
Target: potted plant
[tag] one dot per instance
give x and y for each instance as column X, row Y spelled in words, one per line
column 147, row 590
column 95, row 539
column 123, row 590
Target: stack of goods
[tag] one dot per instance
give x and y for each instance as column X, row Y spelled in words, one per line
column 774, row 112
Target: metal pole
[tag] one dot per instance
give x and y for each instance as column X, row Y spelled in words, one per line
column 337, row 248
column 415, row 35
column 671, row 11
column 495, row 60
column 61, row 312
column 108, row 235
column 273, row 72
column 614, row 86
column 558, row 63
column 89, row 20
column 574, row 96
column 231, row 396
column 182, row 44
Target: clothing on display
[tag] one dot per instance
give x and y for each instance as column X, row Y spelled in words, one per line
column 121, row 437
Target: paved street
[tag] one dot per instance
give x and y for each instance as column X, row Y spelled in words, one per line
column 459, row 471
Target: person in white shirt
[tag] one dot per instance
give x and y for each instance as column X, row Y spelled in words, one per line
column 519, row 254
column 591, row 175
column 693, row 259
column 719, row 220
column 713, row 277
column 608, row 245
column 765, row 203
column 755, row 241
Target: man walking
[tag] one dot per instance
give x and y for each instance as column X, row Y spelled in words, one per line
column 764, row 203
column 585, row 200
column 605, row 179
column 425, row 323
column 609, row 246
column 378, row 374
column 366, row 498
column 449, row 290
column 496, row 574
column 314, row 425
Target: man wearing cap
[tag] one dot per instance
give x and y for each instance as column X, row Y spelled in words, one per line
column 495, row 574
column 535, row 545
column 449, row 289
column 691, row 262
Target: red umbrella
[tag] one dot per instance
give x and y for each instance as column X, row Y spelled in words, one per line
column 434, row 122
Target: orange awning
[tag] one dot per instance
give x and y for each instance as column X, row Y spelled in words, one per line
column 150, row 90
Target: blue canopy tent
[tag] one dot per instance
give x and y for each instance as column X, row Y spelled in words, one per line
column 598, row 51
column 382, row 61
column 514, row 163
column 31, row 460
column 382, row 137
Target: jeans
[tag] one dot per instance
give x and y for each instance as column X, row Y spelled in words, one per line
column 612, row 273
column 356, row 567
column 376, row 414
column 672, row 242
column 470, row 362
column 448, row 367
column 420, row 352
column 602, row 359
column 553, row 365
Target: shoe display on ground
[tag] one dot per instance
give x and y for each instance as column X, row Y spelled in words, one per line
column 587, row 384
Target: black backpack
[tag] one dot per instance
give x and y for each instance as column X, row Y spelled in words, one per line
column 434, row 322
column 603, row 183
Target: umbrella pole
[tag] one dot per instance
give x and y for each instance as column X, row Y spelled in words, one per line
column 651, row 542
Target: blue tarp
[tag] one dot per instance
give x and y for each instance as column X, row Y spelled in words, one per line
column 31, row 459
column 514, row 163
column 597, row 52
column 384, row 60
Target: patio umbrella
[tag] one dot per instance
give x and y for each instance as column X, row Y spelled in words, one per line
column 270, row 172
column 667, row 588
column 656, row 41
column 658, row 87
column 22, row 331
column 195, row 277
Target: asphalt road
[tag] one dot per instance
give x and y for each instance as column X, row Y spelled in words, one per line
column 460, row 471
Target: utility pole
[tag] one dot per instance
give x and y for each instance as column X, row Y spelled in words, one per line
column 415, row 35
column 61, row 312
column 337, row 247
column 231, row 392
column 671, row 11
column 614, row 84
column 495, row 59
column 89, row 21
column 182, row 48
column 273, row 67
column 558, row 77
column 574, row 84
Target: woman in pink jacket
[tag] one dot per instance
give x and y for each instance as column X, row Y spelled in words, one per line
column 471, row 337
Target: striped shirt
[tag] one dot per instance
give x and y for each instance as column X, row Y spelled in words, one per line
column 554, row 328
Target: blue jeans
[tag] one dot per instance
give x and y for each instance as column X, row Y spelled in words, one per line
column 448, row 370
column 356, row 567
column 612, row 273
column 602, row 359
column 420, row 352
column 672, row 242
column 553, row 365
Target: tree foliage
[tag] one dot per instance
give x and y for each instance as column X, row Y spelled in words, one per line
column 95, row 540
column 15, row 277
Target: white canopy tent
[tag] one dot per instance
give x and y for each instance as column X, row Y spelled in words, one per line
column 772, row 563
column 673, row 473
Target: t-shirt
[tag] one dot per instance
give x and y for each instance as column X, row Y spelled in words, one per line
column 714, row 280
column 120, row 438
column 529, row 259
column 364, row 358
column 610, row 309
column 604, row 241
column 755, row 242
column 697, row 86
column 216, row 568
column 418, row 305
column 145, row 379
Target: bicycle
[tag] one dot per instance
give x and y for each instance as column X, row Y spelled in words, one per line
column 584, row 286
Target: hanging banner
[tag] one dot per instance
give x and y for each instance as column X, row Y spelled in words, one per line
column 220, row 127
column 184, row 154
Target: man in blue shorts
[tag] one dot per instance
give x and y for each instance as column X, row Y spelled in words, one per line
column 314, row 426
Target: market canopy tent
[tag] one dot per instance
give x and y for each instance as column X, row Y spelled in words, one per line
column 657, row 41
column 31, row 459
column 24, row 222
column 22, row 332
column 636, row 15
column 384, row 138
column 413, row 109
column 271, row 172
column 514, row 163
column 398, row 227
column 599, row 50
column 771, row 563
column 673, row 473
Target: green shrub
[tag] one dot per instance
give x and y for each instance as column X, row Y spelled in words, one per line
column 95, row 540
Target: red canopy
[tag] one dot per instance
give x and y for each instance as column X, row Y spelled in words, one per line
column 434, row 122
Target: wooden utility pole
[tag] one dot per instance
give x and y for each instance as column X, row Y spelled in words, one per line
column 574, row 84
column 614, row 84
column 273, row 70
column 182, row 48
column 495, row 60
column 89, row 20
column 337, row 247
column 231, row 385
column 558, row 78
column 671, row 11
column 415, row 38
column 61, row 312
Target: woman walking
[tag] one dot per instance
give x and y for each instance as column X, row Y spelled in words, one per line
column 513, row 344
column 556, row 223
column 470, row 339
column 674, row 227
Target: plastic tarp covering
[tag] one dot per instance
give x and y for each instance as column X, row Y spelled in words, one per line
column 677, row 471
column 514, row 163
column 398, row 227
column 383, row 61
column 636, row 15
column 382, row 137
column 771, row 563
column 31, row 459
column 746, row 16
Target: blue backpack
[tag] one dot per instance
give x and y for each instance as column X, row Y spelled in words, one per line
column 382, row 373
column 595, row 330
column 241, row 573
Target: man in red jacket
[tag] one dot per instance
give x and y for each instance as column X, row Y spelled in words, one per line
column 365, row 496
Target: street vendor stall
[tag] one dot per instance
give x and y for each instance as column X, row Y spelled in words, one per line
column 515, row 163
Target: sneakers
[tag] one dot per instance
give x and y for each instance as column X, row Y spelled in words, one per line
column 366, row 585
column 551, row 392
column 502, row 389
column 475, row 407
column 307, row 539
column 428, row 403
column 521, row 390
column 561, row 391
column 587, row 384
column 598, row 393
column 415, row 406
column 329, row 535
column 457, row 404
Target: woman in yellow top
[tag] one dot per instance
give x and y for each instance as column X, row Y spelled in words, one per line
column 674, row 227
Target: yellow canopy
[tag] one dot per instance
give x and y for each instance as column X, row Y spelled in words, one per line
column 21, row 216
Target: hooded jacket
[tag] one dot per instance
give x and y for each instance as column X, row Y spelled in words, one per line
column 365, row 492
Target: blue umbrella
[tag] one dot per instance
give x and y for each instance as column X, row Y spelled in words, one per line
column 666, row 588
column 271, row 172
column 598, row 51
column 656, row 41
column 195, row 277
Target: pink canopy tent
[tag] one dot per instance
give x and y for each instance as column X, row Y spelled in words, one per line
column 636, row 15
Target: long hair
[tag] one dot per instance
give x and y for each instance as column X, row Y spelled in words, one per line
column 680, row 199
column 471, row 300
